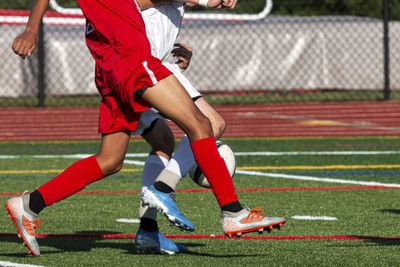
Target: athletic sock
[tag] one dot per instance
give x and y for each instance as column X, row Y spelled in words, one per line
column 168, row 178
column 232, row 207
column 36, row 202
column 163, row 187
column 213, row 166
column 72, row 180
column 148, row 224
column 182, row 160
column 152, row 167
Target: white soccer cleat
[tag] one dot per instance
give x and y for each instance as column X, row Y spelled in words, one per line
column 26, row 222
column 246, row 221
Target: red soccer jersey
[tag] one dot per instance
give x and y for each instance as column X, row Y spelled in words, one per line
column 116, row 37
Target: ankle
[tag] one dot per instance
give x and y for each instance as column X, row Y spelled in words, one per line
column 163, row 187
column 232, row 207
column 148, row 224
column 36, row 202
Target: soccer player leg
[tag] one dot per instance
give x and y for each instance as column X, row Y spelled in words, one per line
column 149, row 126
column 160, row 138
column 157, row 133
column 162, row 197
column 108, row 160
column 24, row 210
column 170, row 98
column 182, row 160
column 217, row 121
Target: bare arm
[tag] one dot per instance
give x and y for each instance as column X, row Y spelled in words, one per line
column 25, row 43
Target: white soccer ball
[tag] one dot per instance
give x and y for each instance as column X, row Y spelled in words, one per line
column 229, row 157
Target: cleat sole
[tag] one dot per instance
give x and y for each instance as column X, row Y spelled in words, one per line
column 268, row 228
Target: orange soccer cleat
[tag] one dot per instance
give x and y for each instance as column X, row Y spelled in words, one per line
column 25, row 220
column 246, row 221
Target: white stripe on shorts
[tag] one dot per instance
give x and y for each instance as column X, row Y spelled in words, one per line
column 151, row 74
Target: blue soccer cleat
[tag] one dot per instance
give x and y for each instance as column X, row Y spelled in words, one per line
column 165, row 204
column 154, row 242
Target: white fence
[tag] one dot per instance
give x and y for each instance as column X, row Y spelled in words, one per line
column 281, row 53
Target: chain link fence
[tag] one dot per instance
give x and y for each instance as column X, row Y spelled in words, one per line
column 298, row 51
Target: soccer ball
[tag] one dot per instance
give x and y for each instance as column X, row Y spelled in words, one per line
column 229, row 157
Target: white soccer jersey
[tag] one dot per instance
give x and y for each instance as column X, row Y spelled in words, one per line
column 162, row 27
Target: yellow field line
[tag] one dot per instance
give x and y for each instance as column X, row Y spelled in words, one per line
column 326, row 167
column 52, row 171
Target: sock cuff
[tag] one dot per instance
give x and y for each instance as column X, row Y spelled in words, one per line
column 200, row 144
column 155, row 159
column 96, row 167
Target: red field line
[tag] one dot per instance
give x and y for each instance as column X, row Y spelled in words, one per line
column 239, row 190
column 121, row 236
column 269, row 120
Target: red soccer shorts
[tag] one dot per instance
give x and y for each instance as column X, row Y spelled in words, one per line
column 116, row 37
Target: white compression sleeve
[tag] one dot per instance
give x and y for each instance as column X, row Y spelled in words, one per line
column 152, row 168
column 183, row 160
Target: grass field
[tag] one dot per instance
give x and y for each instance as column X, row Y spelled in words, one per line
column 340, row 197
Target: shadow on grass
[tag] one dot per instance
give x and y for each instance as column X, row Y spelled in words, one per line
column 373, row 241
column 86, row 244
column 391, row 211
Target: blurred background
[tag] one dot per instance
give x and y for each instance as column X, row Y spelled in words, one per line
column 288, row 51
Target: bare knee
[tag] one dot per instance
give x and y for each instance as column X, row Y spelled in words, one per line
column 109, row 165
column 219, row 127
column 200, row 127
column 217, row 121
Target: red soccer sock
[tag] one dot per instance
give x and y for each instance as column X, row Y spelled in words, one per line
column 213, row 166
column 72, row 180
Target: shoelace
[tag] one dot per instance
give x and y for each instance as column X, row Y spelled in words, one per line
column 255, row 214
column 31, row 226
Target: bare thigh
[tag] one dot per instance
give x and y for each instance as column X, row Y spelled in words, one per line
column 171, row 99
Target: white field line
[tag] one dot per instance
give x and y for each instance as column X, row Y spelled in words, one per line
column 251, row 173
column 122, row 220
column 316, row 179
column 12, row 264
column 261, row 153
column 330, row 153
column 314, row 218
column 134, row 162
